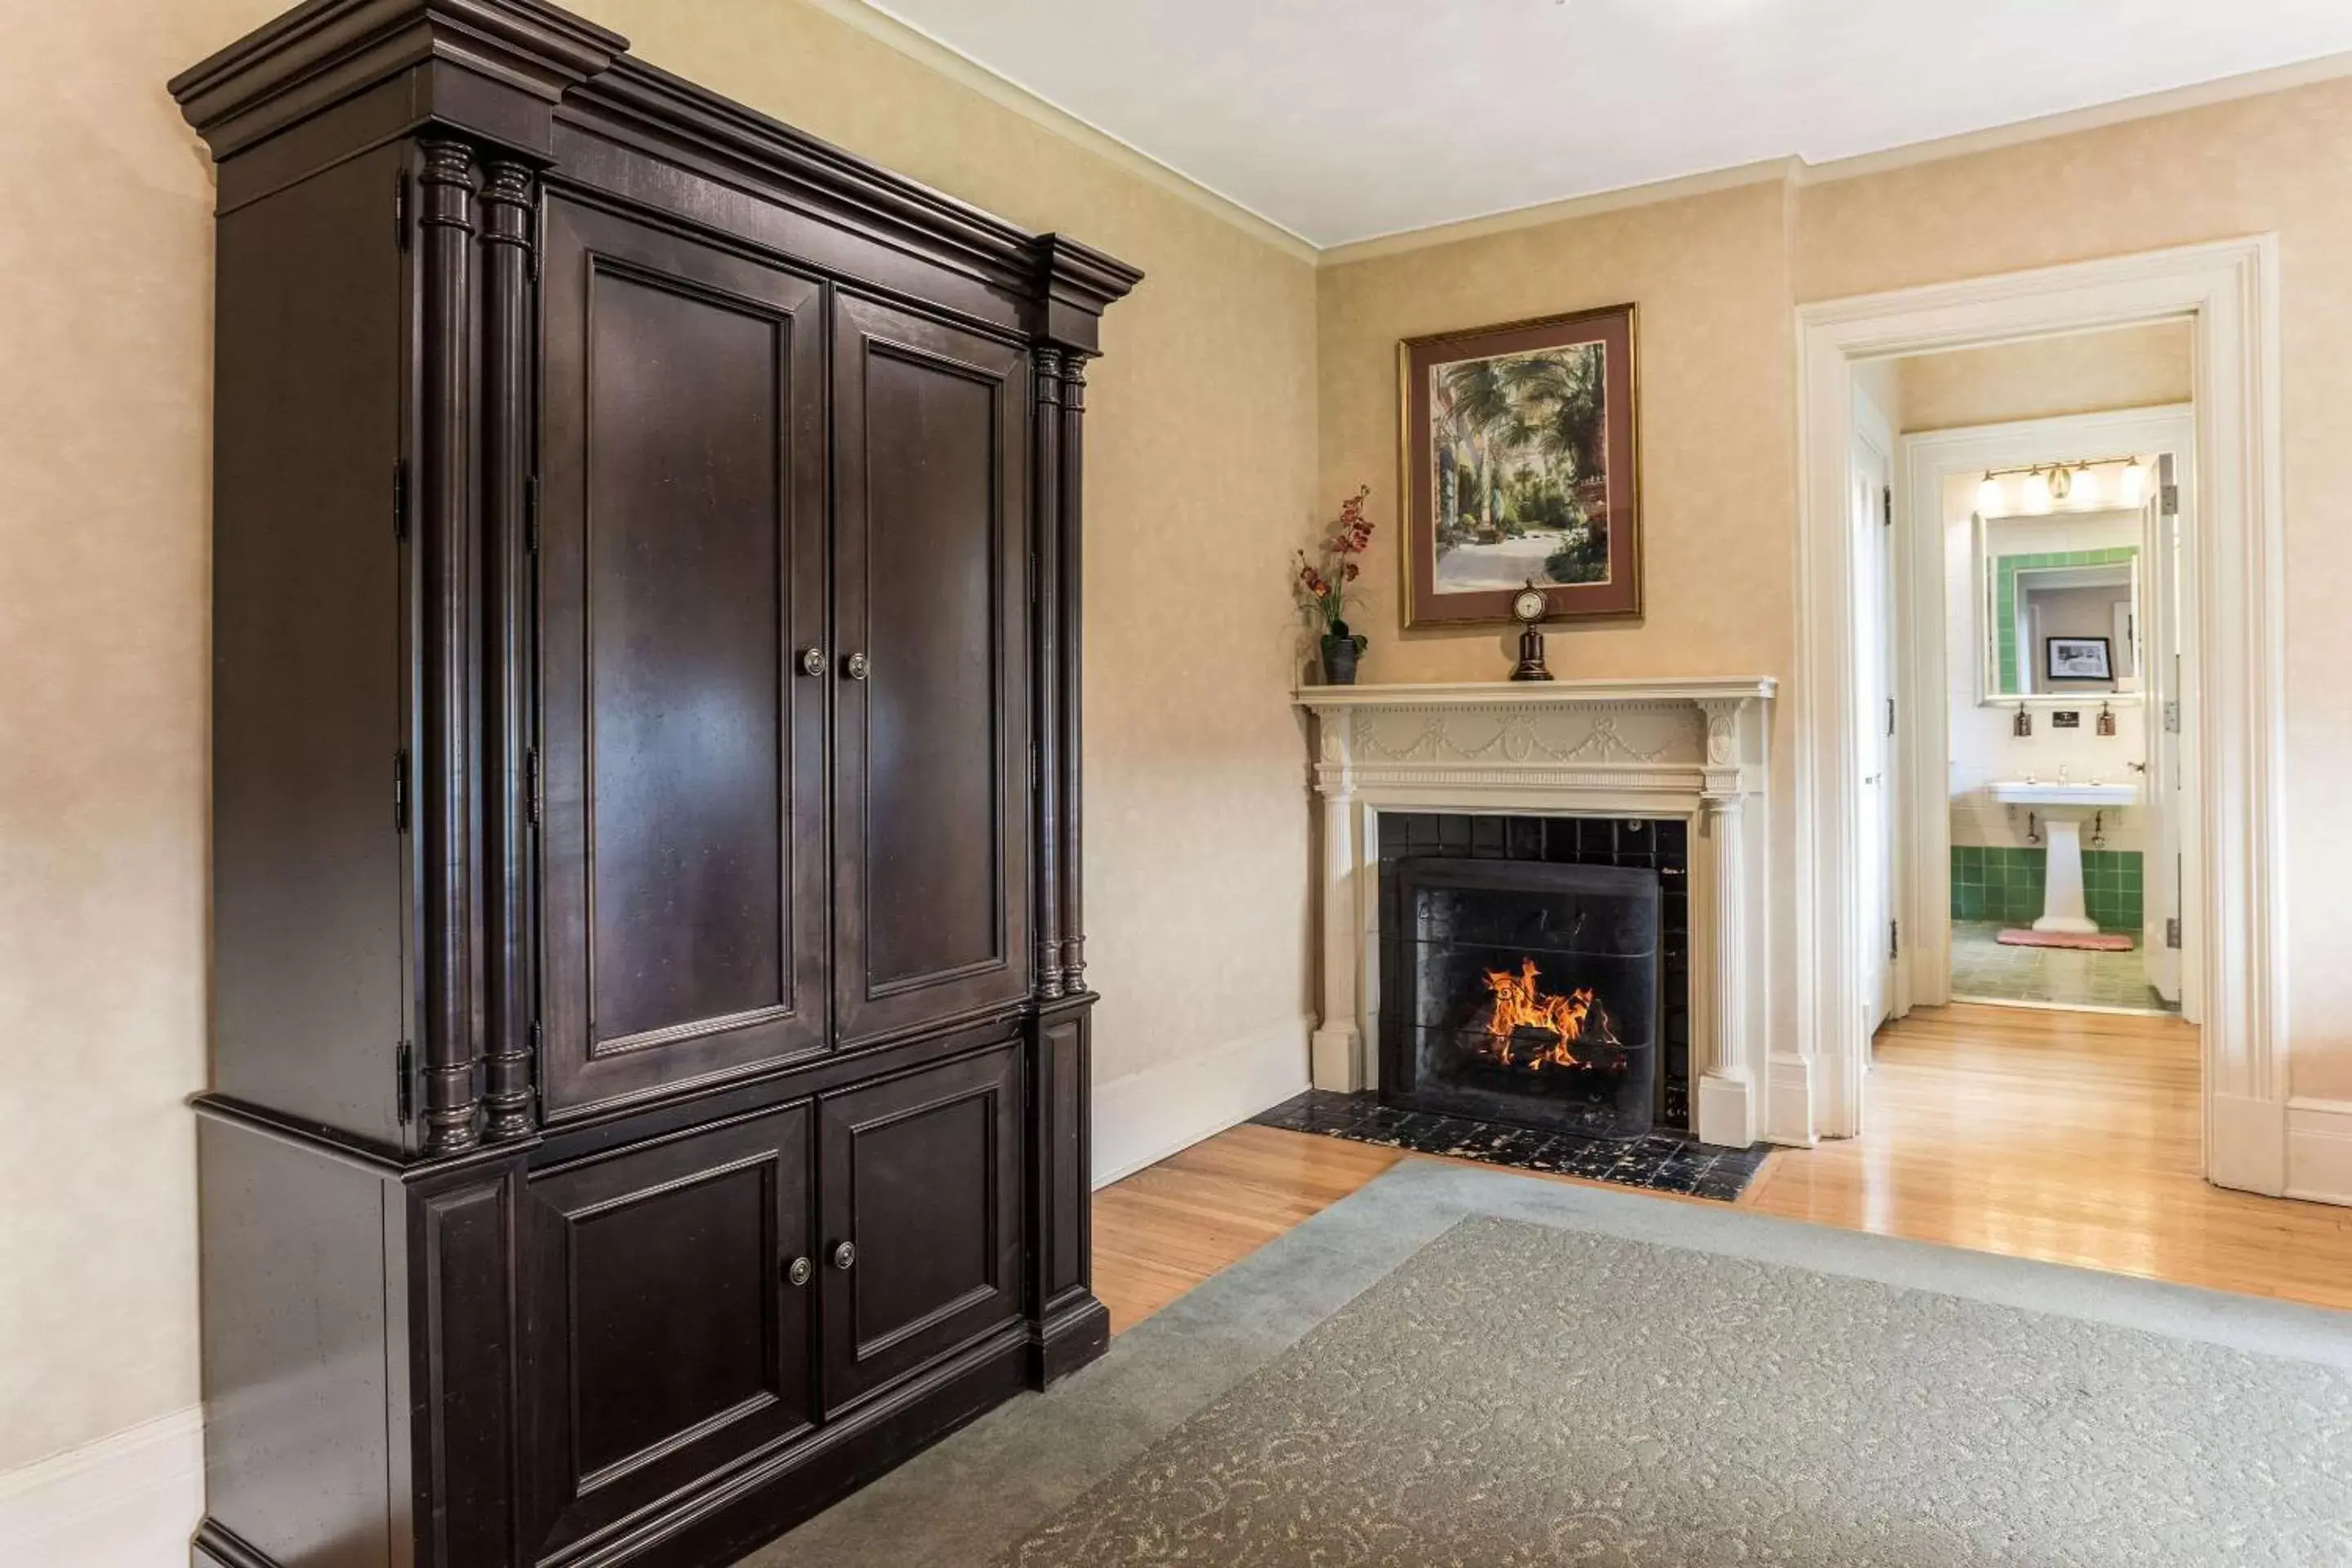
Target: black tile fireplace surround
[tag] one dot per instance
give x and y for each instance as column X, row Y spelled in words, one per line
column 1536, row 970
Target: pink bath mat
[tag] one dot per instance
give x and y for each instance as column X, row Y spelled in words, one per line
column 2100, row 942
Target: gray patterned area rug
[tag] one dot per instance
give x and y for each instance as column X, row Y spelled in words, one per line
column 1462, row 1368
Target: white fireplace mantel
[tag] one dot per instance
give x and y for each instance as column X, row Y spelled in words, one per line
column 1694, row 749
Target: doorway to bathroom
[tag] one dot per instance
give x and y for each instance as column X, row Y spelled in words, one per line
column 2046, row 570
column 2226, row 656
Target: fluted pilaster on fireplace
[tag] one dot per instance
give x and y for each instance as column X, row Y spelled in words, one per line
column 1695, row 749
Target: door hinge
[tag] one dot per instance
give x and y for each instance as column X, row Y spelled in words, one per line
column 2168, row 500
column 399, row 209
column 2172, row 930
column 532, row 800
column 1894, row 938
column 538, row 1036
column 1886, row 504
column 1033, row 764
column 404, row 1088
column 1890, row 718
column 2172, row 716
column 531, row 515
column 400, row 498
column 400, row 791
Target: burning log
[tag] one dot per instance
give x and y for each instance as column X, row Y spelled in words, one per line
column 1529, row 1028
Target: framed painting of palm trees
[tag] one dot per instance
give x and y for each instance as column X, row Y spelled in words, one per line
column 1518, row 468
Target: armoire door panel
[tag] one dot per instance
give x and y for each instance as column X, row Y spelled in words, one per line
column 666, row 1338
column 932, row 741
column 682, row 567
column 920, row 1176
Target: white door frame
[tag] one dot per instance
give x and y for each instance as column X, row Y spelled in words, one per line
column 2231, row 288
column 1923, row 639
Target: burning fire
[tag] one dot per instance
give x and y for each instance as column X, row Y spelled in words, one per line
column 1521, row 1004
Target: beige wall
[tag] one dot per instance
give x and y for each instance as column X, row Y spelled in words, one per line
column 2046, row 378
column 1201, row 474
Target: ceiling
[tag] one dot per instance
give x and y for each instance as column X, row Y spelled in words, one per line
column 1340, row 119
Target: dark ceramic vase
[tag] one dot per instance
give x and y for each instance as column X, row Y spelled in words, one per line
column 1340, row 655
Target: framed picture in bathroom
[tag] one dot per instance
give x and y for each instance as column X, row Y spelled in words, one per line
column 2078, row 659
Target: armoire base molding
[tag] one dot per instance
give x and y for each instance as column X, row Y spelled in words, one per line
column 737, row 1513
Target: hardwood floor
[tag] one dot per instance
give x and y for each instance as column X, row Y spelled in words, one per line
column 2069, row 1137
column 2066, row 1137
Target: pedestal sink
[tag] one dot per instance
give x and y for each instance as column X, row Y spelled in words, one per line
column 2063, row 809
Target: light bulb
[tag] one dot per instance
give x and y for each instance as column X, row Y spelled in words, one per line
column 2085, row 489
column 2037, row 492
column 1990, row 498
column 2135, row 483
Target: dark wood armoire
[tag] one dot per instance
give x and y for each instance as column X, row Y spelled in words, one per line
column 650, row 1013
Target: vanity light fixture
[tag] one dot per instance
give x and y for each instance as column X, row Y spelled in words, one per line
column 2072, row 483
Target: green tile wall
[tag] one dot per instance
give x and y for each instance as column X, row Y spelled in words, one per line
column 2004, row 594
column 2005, row 885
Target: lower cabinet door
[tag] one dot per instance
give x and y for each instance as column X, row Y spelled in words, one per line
column 668, row 1296
column 921, row 1193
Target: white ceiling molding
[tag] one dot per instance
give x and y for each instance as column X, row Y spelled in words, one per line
column 909, row 27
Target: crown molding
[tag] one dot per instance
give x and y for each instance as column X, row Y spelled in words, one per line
column 1004, row 91
column 1680, row 187
column 2098, row 116
column 953, row 63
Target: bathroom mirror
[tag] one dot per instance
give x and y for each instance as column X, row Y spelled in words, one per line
column 2059, row 606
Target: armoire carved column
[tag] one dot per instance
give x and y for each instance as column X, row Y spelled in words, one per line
column 1045, row 508
column 1072, row 571
column 509, row 308
column 446, row 578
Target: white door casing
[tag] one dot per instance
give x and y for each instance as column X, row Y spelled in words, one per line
column 2230, row 289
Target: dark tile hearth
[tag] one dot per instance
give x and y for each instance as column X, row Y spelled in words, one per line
column 1662, row 1161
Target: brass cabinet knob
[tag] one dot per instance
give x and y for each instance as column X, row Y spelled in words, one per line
column 856, row 665
column 812, row 661
column 798, row 1270
column 844, row 1256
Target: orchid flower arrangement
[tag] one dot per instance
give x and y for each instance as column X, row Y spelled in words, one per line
column 1322, row 586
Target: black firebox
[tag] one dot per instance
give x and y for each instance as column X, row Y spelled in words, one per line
column 1524, row 991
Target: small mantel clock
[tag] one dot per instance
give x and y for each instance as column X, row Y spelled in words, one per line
column 1529, row 607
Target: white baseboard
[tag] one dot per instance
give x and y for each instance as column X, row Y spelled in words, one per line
column 129, row 1500
column 1726, row 1111
column 2246, row 1144
column 1791, row 1107
column 1144, row 1117
column 2319, row 1149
